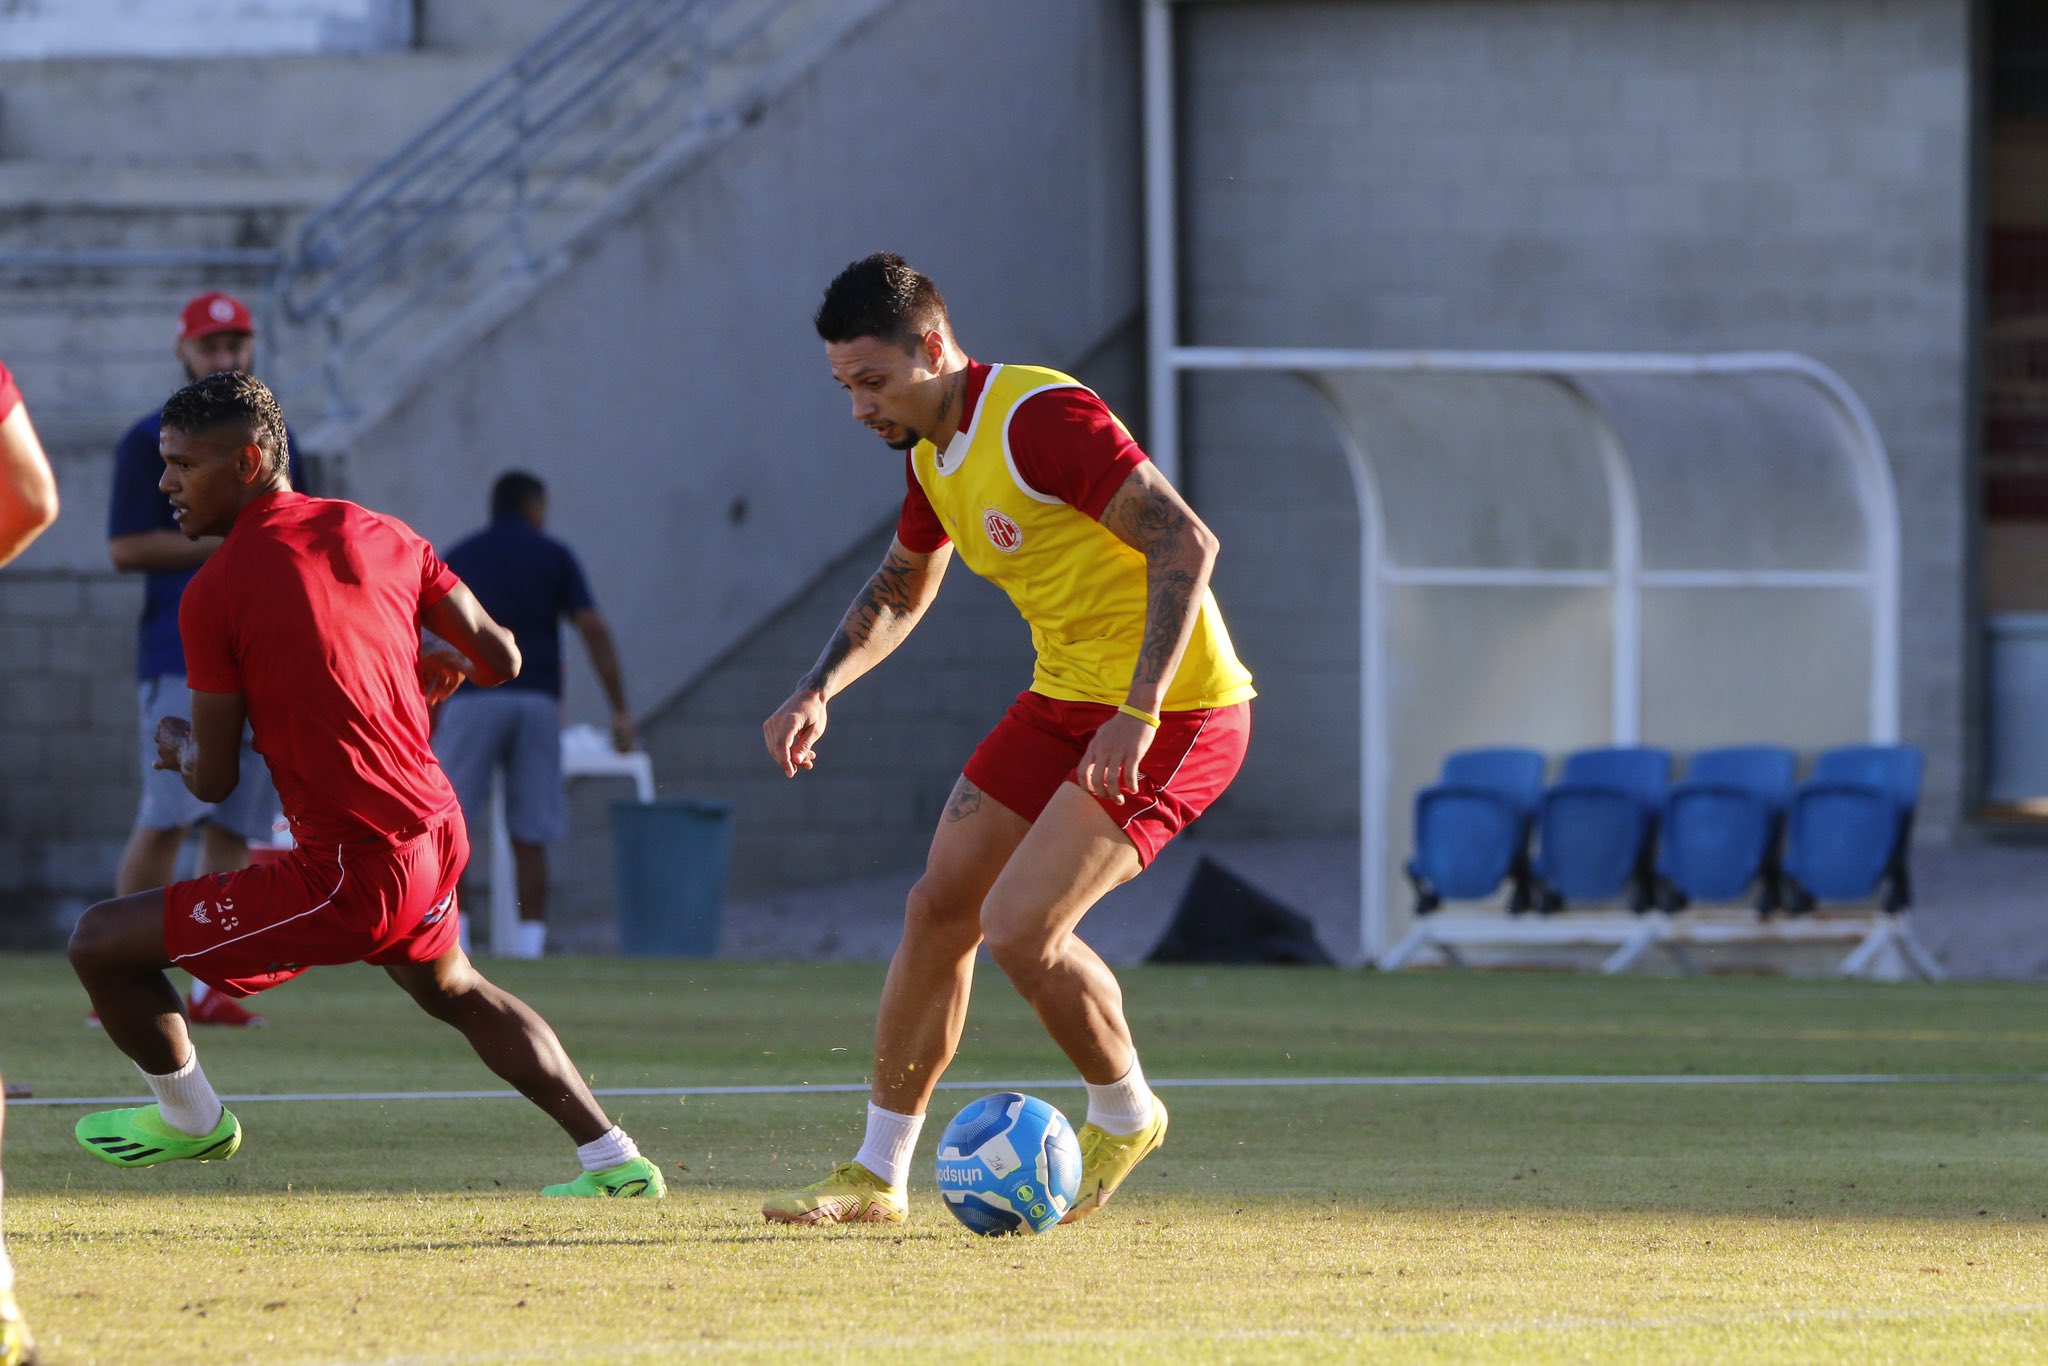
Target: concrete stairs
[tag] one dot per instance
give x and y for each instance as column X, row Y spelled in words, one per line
column 210, row 166
column 214, row 167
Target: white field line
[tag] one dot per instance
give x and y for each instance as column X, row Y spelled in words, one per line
column 1202, row 1083
column 1167, row 1337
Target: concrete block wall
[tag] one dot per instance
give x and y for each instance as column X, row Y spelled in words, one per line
column 1566, row 174
column 67, row 746
column 894, row 744
column 669, row 388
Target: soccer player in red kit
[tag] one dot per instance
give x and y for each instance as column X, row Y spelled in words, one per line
column 28, row 504
column 306, row 622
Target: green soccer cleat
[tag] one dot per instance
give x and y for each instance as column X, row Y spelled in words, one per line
column 1107, row 1158
column 638, row 1179
column 17, row 1346
column 849, row 1194
column 140, row 1138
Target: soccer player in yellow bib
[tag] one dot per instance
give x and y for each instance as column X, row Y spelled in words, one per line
column 1136, row 718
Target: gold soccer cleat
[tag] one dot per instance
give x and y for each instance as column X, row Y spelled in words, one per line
column 17, row 1348
column 1107, row 1158
column 849, row 1194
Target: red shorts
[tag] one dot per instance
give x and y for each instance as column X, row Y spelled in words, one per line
column 1040, row 740
column 317, row 906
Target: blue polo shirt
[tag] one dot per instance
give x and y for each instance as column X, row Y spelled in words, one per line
column 528, row 582
column 135, row 507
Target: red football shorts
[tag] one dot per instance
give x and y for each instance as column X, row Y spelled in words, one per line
column 250, row 930
column 1040, row 740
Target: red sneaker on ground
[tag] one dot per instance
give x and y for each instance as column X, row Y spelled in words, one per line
column 218, row 1008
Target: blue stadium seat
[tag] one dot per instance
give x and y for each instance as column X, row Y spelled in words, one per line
column 1720, row 827
column 1595, row 827
column 1849, row 827
column 1472, row 828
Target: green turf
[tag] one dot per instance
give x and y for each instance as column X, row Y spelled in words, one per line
column 1776, row 1223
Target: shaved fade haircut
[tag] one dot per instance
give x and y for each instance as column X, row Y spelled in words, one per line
column 882, row 296
column 515, row 491
column 232, row 397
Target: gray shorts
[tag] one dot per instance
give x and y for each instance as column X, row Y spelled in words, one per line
column 516, row 733
column 167, row 804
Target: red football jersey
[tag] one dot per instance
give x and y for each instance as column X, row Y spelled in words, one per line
column 311, row 610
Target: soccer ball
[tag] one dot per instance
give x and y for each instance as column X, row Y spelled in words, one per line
column 1009, row 1163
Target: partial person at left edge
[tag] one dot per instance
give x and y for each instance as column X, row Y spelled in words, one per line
column 28, row 504
column 216, row 333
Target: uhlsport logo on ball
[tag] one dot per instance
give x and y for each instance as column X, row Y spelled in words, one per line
column 1009, row 1163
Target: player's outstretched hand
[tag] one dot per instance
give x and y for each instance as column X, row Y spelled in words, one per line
column 1110, row 767
column 173, row 735
column 792, row 732
column 442, row 670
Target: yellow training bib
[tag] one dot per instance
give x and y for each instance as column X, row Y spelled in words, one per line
column 1079, row 588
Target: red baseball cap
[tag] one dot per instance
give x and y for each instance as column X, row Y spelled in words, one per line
column 214, row 312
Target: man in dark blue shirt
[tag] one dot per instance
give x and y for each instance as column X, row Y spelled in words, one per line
column 216, row 333
column 527, row 581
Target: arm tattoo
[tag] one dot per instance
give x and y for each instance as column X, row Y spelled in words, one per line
column 880, row 608
column 1152, row 521
column 1168, row 591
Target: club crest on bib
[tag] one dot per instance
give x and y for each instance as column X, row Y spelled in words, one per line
column 1003, row 533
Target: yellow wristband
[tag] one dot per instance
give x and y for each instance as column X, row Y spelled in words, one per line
column 1147, row 717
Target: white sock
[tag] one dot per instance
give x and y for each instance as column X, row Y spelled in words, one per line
column 186, row 1098
column 610, row 1149
column 529, row 940
column 891, row 1138
column 1124, row 1106
column 200, row 991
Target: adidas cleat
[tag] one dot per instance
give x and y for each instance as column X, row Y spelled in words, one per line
column 849, row 1194
column 140, row 1138
column 638, row 1179
column 1107, row 1158
column 17, row 1346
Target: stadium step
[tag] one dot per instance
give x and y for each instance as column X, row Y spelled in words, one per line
column 236, row 113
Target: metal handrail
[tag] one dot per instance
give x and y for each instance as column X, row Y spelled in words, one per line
column 491, row 186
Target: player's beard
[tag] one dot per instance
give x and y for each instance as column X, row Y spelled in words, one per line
column 910, row 439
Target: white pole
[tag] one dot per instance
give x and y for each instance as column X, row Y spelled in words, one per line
column 1626, row 548
column 1375, row 743
column 1162, row 281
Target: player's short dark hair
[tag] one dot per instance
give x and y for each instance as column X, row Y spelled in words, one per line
column 882, row 296
column 515, row 491
column 232, row 396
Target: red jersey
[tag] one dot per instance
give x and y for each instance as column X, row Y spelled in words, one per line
column 311, row 610
column 10, row 394
column 1065, row 441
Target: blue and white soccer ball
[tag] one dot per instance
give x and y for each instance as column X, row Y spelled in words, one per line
column 1009, row 1163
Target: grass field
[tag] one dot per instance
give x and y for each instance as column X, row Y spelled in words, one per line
column 1783, row 1221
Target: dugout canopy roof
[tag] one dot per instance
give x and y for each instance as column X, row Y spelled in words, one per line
column 1570, row 550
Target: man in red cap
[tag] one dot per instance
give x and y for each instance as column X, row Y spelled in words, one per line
column 215, row 333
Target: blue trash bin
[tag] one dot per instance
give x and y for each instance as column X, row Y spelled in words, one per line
column 670, row 859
